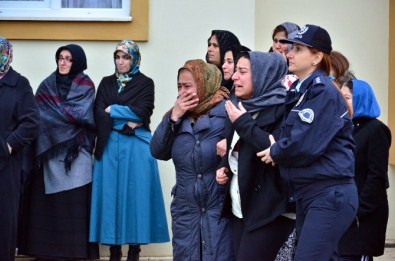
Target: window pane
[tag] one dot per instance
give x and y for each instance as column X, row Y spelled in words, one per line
column 91, row 3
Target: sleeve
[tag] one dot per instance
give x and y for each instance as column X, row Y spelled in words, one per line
column 144, row 108
column 27, row 119
column 162, row 141
column 377, row 168
column 124, row 112
column 103, row 120
column 311, row 129
column 250, row 133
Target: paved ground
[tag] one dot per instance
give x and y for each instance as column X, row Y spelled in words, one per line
column 389, row 255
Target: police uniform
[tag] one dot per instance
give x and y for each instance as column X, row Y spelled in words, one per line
column 315, row 155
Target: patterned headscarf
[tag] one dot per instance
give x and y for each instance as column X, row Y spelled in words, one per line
column 5, row 56
column 129, row 47
column 208, row 84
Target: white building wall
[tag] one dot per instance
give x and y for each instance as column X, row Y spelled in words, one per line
column 178, row 31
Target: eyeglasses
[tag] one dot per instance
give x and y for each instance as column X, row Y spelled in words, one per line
column 275, row 40
column 67, row 59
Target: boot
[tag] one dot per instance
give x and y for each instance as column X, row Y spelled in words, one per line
column 134, row 253
column 115, row 253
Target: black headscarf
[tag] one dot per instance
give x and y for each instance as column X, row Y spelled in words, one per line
column 79, row 59
column 63, row 82
column 226, row 39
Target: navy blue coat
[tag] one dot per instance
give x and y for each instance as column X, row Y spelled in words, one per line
column 316, row 145
column 197, row 197
column 19, row 126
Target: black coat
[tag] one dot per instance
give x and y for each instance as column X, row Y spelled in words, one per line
column 19, row 126
column 263, row 194
column 373, row 139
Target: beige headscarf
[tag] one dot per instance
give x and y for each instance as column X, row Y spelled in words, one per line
column 208, row 83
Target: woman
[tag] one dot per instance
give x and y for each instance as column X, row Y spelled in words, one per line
column 228, row 69
column 127, row 201
column 218, row 43
column 340, row 69
column 56, row 210
column 280, row 32
column 257, row 197
column 188, row 134
column 19, row 127
column 283, row 31
column 366, row 236
column 315, row 149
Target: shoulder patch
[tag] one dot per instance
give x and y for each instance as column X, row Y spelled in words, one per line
column 319, row 80
column 306, row 115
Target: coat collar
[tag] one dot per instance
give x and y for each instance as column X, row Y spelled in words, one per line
column 10, row 79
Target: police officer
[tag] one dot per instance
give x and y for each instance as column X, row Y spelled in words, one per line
column 315, row 149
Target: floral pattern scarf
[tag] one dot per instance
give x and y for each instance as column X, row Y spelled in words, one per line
column 129, row 47
column 208, row 83
column 5, row 56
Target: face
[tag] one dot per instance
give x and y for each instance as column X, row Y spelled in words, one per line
column 186, row 84
column 213, row 51
column 65, row 60
column 280, row 47
column 242, row 79
column 347, row 96
column 301, row 61
column 228, row 67
column 122, row 62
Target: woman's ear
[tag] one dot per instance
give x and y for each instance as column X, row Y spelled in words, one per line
column 317, row 58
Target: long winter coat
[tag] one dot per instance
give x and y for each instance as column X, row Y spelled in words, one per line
column 19, row 126
column 367, row 236
column 264, row 195
column 127, row 201
column 197, row 197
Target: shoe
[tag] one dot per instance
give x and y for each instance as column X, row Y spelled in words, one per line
column 115, row 253
column 134, row 253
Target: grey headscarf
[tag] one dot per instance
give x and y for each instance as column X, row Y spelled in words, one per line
column 267, row 71
column 290, row 27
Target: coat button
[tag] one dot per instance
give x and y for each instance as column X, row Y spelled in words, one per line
column 199, row 176
column 203, row 210
column 198, row 143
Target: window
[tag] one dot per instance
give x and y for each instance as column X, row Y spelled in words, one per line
column 65, row 10
column 54, row 30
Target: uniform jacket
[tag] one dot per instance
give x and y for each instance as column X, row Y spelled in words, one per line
column 263, row 193
column 367, row 236
column 316, row 142
column 197, row 197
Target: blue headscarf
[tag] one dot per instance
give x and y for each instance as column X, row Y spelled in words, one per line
column 363, row 101
column 129, row 47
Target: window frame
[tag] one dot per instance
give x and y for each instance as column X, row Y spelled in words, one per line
column 51, row 10
column 137, row 29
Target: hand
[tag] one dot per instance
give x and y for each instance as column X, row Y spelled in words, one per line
column 283, row 54
column 233, row 112
column 265, row 154
column 184, row 102
column 9, row 148
column 108, row 109
column 221, row 147
column 221, row 175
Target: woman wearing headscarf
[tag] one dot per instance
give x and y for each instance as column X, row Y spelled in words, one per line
column 219, row 43
column 366, row 236
column 127, row 200
column 19, row 126
column 57, row 205
column 256, row 199
column 315, row 149
column 188, row 134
